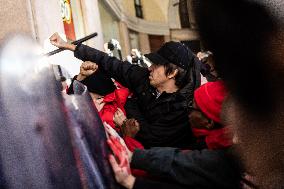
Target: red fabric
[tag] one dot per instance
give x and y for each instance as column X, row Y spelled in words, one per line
column 216, row 138
column 209, row 98
column 66, row 89
column 114, row 100
column 132, row 144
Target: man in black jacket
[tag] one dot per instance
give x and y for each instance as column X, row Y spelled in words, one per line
column 174, row 168
column 162, row 108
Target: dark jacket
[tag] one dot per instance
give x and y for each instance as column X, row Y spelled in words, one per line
column 163, row 121
column 189, row 169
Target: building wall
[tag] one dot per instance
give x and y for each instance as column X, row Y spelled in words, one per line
column 40, row 19
column 128, row 7
column 78, row 18
column 155, row 22
column 15, row 17
column 45, row 24
column 144, row 43
column 110, row 27
column 124, row 38
column 155, row 10
column 92, row 22
column 134, row 40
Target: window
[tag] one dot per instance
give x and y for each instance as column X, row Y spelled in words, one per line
column 138, row 8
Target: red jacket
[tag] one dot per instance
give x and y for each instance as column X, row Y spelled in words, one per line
column 114, row 100
column 216, row 138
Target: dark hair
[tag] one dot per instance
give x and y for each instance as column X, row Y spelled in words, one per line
column 182, row 77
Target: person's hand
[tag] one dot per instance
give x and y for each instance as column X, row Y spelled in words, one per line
column 119, row 117
column 87, row 68
column 57, row 41
column 120, row 163
column 110, row 132
column 130, row 127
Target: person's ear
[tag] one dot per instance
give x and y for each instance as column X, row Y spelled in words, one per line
column 173, row 74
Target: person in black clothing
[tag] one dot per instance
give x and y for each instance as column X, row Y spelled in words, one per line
column 247, row 40
column 219, row 168
column 163, row 109
column 176, row 168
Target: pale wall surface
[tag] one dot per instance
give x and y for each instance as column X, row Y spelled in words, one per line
column 128, row 7
column 155, row 10
column 92, row 22
column 173, row 15
column 109, row 24
column 14, row 17
column 47, row 18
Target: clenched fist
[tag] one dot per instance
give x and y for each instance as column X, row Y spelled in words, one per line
column 57, row 41
column 86, row 69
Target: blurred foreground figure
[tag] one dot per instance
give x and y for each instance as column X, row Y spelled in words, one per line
column 89, row 140
column 47, row 142
column 247, row 40
column 35, row 147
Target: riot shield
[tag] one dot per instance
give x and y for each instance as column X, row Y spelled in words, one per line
column 85, row 113
column 35, row 147
column 89, row 172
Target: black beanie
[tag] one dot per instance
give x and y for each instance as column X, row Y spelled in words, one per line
column 99, row 83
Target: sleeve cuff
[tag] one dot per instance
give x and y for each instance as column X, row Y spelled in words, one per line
column 77, row 51
column 137, row 158
column 77, row 46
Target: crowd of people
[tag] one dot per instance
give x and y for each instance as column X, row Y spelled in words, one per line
column 183, row 134
column 176, row 119
column 159, row 119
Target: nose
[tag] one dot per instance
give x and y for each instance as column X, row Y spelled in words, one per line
column 150, row 68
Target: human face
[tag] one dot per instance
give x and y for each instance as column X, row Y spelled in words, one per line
column 98, row 100
column 157, row 75
column 197, row 119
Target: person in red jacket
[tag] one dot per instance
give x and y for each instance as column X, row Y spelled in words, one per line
column 205, row 118
column 109, row 97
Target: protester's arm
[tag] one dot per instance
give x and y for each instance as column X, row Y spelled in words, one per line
column 141, row 183
column 127, row 74
column 78, row 78
column 86, row 69
column 184, row 167
column 121, row 167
